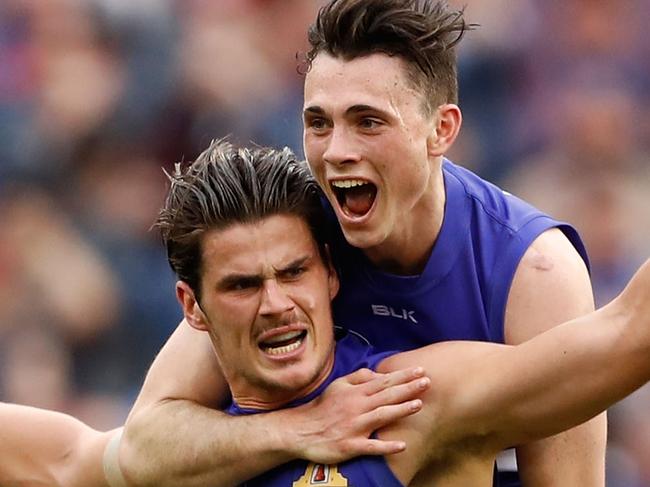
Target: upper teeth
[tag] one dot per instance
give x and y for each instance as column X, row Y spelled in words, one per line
column 284, row 336
column 348, row 183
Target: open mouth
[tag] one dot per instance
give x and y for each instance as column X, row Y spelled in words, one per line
column 283, row 343
column 355, row 196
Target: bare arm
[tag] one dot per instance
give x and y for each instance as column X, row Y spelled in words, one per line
column 563, row 376
column 175, row 437
column 489, row 396
column 552, row 286
column 40, row 447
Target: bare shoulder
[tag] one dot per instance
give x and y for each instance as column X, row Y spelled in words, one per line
column 551, row 285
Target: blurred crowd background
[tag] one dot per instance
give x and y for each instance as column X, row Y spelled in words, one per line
column 96, row 96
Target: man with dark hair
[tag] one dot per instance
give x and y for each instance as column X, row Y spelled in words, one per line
column 428, row 252
column 248, row 220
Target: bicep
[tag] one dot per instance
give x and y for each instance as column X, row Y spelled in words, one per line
column 486, row 396
column 49, row 447
column 185, row 368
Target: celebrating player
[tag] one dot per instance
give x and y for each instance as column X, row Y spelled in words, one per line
column 244, row 232
column 429, row 252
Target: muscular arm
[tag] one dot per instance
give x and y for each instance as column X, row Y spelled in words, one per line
column 488, row 396
column 551, row 286
column 49, row 449
column 175, row 437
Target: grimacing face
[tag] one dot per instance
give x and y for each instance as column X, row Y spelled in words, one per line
column 266, row 295
column 369, row 144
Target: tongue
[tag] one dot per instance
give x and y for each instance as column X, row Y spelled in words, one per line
column 358, row 200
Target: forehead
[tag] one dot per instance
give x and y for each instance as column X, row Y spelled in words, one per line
column 375, row 80
column 258, row 247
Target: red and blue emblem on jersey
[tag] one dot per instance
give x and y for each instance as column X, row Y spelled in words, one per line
column 321, row 475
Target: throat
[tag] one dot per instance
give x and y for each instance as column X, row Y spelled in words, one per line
column 406, row 251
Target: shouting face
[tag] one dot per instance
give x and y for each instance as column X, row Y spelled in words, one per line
column 372, row 147
column 265, row 302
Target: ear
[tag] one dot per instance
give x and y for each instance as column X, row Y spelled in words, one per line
column 191, row 309
column 333, row 277
column 448, row 121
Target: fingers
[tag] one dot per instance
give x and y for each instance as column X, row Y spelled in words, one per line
column 373, row 446
column 400, row 392
column 360, row 376
column 382, row 382
column 385, row 415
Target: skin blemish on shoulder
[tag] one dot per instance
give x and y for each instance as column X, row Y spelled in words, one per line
column 538, row 261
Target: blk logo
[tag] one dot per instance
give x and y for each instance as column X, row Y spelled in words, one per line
column 403, row 314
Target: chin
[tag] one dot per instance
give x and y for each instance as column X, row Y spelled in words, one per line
column 362, row 239
column 291, row 380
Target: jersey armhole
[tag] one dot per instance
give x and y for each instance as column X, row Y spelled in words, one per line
column 506, row 264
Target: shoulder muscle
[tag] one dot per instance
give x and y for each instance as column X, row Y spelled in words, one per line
column 551, row 285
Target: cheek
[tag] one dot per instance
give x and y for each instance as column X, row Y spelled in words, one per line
column 316, row 166
column 314, row 147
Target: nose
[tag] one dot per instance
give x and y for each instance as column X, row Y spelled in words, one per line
column 274, row 299
column 340, row 147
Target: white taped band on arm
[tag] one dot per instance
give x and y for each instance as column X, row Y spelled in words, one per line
column 112, row 470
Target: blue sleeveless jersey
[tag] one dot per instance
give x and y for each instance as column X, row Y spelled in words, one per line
column 352, row 353
column 462, row 292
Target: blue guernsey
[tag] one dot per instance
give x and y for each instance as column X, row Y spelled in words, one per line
column 463, row 290
column 352, row 353
column 462, row 293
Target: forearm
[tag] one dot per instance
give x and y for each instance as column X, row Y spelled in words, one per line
column 48, row 448
column 180, row 443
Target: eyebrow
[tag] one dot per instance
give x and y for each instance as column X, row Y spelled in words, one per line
column 299, row 262
column 316, row 110
column 255, row 279
column 232, row 279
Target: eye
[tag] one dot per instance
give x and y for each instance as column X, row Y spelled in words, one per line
column 294, row 272
column 242, row 285
column 316, row 122
column 369, row 123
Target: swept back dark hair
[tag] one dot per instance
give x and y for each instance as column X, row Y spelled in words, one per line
column 423, row 33
column 228, row 185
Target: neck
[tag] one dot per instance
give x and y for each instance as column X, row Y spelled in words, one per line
column 407, row 250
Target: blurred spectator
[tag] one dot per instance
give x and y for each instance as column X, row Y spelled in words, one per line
column 595, row 174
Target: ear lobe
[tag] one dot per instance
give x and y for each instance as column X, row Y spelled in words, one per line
column 191, row 309
column 449, row 120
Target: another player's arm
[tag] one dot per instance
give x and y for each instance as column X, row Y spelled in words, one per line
column 560, row 378
column 40, row 447
column 175, row 437
column 552, row 286
column 484, row 397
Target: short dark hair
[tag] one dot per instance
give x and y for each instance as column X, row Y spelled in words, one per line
column 228, row 185
column 423, row 33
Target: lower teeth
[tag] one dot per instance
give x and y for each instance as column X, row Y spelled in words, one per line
column 285, row 349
